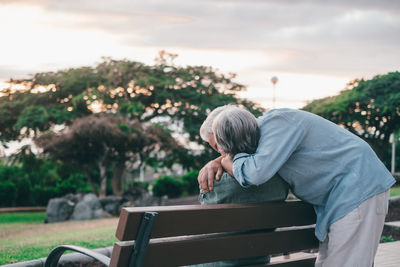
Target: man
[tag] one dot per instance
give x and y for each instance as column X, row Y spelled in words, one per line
column 227, row 190
column 324, row 164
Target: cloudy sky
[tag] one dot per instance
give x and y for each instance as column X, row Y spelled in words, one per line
column 313, row 47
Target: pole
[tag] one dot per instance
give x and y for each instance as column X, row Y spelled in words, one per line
column 393, row 153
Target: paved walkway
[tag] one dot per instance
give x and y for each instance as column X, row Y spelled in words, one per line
column 388, row 255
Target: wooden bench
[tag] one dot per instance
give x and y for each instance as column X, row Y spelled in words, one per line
column 192, row 234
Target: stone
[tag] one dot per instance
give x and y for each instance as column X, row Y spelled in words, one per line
column 92, row 201
column 82, row 211
column 100, row 213
column 111, row 204
column 58, row 210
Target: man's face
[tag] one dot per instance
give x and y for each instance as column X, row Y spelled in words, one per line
column 211, row 141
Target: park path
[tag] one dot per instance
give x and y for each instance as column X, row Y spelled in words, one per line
column 388, row 255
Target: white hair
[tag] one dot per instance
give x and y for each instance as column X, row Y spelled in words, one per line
column 206, row 127
column 236, row 130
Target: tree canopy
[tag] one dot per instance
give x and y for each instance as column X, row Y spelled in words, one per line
column 127, row 98
column 367, row 108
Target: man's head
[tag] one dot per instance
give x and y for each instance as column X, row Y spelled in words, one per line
column 230, row 129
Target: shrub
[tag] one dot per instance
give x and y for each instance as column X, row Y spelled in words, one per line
column 8, row 193
column 190, row 184
column 167, row 186
column 145, row 185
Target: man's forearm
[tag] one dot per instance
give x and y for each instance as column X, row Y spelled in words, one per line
column 227, row 164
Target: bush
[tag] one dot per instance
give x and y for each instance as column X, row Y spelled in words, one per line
column 76, row 182
column 8, row 193
column 167, row 186
column 190, row 184
column 145, row 185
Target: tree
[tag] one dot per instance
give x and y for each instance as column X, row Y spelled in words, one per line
column 177, row 98
column 367, row 108
column 102, row 141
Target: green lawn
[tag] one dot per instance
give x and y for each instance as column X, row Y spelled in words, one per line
column 22, row 217
column 395, row 191
column 24, row 236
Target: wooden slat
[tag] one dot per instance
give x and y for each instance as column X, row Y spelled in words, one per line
column 178, row 251
column 121, row 254
column 198, row 219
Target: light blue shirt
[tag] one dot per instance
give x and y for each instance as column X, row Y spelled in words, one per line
column 324, row 164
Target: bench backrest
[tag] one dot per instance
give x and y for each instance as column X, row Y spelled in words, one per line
column 192, row 234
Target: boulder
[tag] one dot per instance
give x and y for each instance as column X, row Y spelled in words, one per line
column 138, row 196
column 111, row 204
column 58, row 210
column 89, row 208
column 82, row 211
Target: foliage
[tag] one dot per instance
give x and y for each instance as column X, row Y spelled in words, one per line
column 367, row 108
column 135, row 90
column 190, row 184
column 395, row 191
column 99, row 141
column 385, row 239
column 31, row 181
column 176, row 186
column 127, row 97
column 167, row 186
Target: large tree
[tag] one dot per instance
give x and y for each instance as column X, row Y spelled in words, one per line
column 367, row 108
column 175, row 97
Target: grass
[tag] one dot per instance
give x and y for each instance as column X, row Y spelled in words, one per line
column 22, row 217
column 24, row 236
column 395, row 191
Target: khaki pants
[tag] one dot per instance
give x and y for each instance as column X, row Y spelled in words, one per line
column 352, row 241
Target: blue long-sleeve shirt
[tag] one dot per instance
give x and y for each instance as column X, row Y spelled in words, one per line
column 324, row 164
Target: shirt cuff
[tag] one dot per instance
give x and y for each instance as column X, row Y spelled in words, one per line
column 237, row 172
column 240, row 155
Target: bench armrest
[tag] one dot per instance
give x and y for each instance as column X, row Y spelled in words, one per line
column 56, row 253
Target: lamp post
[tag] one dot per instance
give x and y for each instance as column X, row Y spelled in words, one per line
column 274, row 81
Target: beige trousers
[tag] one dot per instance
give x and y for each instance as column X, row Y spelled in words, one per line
column 352, row 241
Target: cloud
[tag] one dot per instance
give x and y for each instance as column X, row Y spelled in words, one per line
column 308, row 36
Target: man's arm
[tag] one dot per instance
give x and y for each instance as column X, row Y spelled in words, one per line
column 211, row 170
column 227, row 164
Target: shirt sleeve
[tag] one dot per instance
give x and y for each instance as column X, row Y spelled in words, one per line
column 280, row 137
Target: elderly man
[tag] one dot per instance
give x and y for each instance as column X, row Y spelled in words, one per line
column 227, row 190
column 324, row 164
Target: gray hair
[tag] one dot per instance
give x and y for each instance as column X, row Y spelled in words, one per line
column 236, row 130
column 206, row 127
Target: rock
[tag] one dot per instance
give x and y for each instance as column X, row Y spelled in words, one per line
column 138, row 196
column 82, row 211
column 100, row 213
column 111, row 204
column 89, row 208
column 75, row 198
column 59, row 210
column 92, row 201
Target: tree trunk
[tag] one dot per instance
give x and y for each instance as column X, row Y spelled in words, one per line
column 89, row 180
column 117, row 179
column 103, row 180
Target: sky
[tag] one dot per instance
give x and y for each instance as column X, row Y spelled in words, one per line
column 313, row 47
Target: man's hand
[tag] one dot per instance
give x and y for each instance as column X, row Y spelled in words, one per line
column 211, row 170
